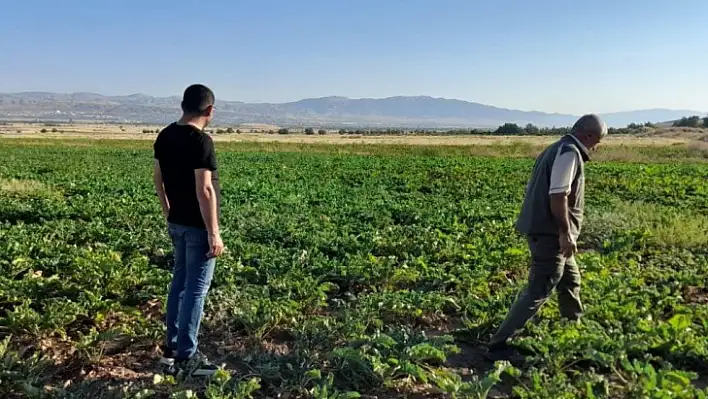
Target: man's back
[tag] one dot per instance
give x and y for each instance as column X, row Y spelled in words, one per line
column 535, row 217
column 181, row 149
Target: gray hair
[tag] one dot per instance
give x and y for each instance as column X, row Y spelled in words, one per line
column 589, row 124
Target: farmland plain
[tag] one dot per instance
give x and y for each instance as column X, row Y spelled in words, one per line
column 359, row 269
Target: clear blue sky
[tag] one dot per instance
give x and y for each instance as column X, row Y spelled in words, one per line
column 549, row 55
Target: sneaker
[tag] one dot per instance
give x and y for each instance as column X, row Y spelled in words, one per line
column 197, row 366
column 168, row 356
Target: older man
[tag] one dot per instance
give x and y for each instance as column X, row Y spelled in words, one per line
column 551, row 218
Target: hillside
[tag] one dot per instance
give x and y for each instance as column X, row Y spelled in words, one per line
column 422, row 111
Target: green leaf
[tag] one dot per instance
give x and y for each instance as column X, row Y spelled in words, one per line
column 677, row 377
column 221, row 377
column 314, row 374
column 680, row 322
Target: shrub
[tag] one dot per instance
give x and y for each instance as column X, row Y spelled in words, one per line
column 509, row 128
column 309, row 131
column 691, row 121
column 531, row 129
column 321, row 132
column 230, row 130
column 283, row 131
column 43, row 131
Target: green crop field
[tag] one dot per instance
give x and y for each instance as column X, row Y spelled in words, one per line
column 350, row 271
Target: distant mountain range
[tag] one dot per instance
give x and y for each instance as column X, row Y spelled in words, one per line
column 408, row 112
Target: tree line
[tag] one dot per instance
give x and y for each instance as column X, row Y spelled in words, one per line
column 692, row 121
column 506, row 129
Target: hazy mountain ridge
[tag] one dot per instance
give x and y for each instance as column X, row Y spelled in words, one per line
column 419, row 111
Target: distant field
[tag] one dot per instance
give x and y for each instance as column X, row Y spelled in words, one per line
column 255, row 133
column 655, row 145
column 101, row 129
column 662, row 145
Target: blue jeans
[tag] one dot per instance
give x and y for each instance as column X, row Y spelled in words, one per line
column 191, row 279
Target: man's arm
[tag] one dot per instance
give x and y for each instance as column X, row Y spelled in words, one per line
column 205, row 165
column 208, row 207
column 207, row 200
column 562, row 175
column 559, row 209
column 160, row 188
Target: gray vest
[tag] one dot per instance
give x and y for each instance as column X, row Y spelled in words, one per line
column 535, row 217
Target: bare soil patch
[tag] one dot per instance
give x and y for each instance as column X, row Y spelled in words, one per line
column 696, row 295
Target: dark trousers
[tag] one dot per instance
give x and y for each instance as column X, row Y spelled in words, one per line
column 549, row 270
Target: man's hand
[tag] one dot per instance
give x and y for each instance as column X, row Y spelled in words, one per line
column 216, row 246
column 567, row 245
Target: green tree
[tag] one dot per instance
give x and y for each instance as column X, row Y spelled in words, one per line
column 510, row 129
column 705, row 121
column 283, row 131
column 309, row 131
column 691, row 121
column 230, row 130
column 321, row 132
column 530, row 128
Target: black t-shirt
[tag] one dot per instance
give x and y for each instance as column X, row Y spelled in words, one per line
column 181, row 149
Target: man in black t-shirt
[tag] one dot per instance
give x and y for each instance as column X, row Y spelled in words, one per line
column 187, row 184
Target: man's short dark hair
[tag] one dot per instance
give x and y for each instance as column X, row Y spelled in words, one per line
column 197, row 98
